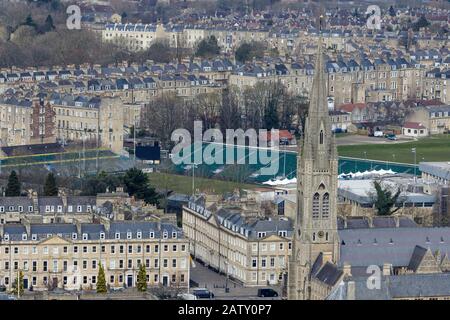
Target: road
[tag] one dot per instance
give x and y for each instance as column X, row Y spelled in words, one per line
column 214, row 282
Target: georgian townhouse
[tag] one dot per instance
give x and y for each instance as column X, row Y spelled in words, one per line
column 95, row 119
column 436, row 118
column 51, row 75
column 64, row 74
column 122, row 84
column 12, row 209
column 15, row 122
column 62, row 255
column 12, row 77
column 26, row 77
column 39, row 76
column 253, row 251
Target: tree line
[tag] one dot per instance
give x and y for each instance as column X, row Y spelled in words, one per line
column 264, row 106
column 14, row 186
column 134, row 180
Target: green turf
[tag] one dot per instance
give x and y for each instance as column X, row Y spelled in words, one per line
column 434, row 148
column 183, row 184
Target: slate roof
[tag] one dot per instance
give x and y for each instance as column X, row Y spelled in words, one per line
column 416, row 258
column 396, row 287
column 329, row 274
column 376, row 246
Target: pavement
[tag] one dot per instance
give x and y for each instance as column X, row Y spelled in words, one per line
column 215, row 282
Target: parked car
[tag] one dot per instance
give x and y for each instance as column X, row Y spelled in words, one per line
column 187, row 296
column 391, row 137
column 267, row 292
column 203, row 293
column 378, row 133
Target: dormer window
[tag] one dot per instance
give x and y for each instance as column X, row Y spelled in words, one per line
column 174, row 235
column 85, row 236
column 152, row 235
column 139, row 235
column 70, row 208
column 2, row 209
column 49, row 235
column 117, row 235
column 74, row 236
column 102, row 235
column 11, row 208
column 59, row 208
column 165, row 235
column 88, row 208
column 34, row 237
column 129, row 235
column 79, row 208
column 6, row 237
column 24, row 236
column 20, row 208
column 30, row 208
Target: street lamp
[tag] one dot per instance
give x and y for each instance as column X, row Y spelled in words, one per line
column 226, row 279
column 413, row 150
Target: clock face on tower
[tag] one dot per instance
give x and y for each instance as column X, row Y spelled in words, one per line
column 320, row 234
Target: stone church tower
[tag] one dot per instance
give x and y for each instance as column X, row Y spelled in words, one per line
column 317, row 170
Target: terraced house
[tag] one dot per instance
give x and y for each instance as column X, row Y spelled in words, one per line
column 68, row 255
column 96, row 119
column 251, row 250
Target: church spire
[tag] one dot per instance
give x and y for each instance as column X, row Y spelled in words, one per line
column 318, row 138
column 318, row 102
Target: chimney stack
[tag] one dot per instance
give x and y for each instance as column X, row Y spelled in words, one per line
column 351, row 290
column 387, row 269
column 347, row 269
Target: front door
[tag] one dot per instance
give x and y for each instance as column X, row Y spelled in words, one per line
column 165, row 281
column 129, row 280
column 25, row 283
column 55, row 283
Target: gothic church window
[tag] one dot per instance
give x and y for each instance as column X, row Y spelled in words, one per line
column 321, row 137
column 325, row 205
column 315, row 206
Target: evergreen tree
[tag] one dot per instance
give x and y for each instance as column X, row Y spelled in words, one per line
column 247, row 51
column 18, row 285
column 142, row 279
column 271, row 120
column 384, row 200
column 392, row 11
column 13, row 187
column 50, row 188
column 137, row 185
column 49, row 26
column 101, row 282
column 208, row 47
column 30, row 22
column 421, row 23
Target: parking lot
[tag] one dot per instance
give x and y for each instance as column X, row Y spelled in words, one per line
column 214, row 282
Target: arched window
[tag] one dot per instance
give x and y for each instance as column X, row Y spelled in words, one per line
column 326, row 205
column 315, row 206
column 321, row 137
